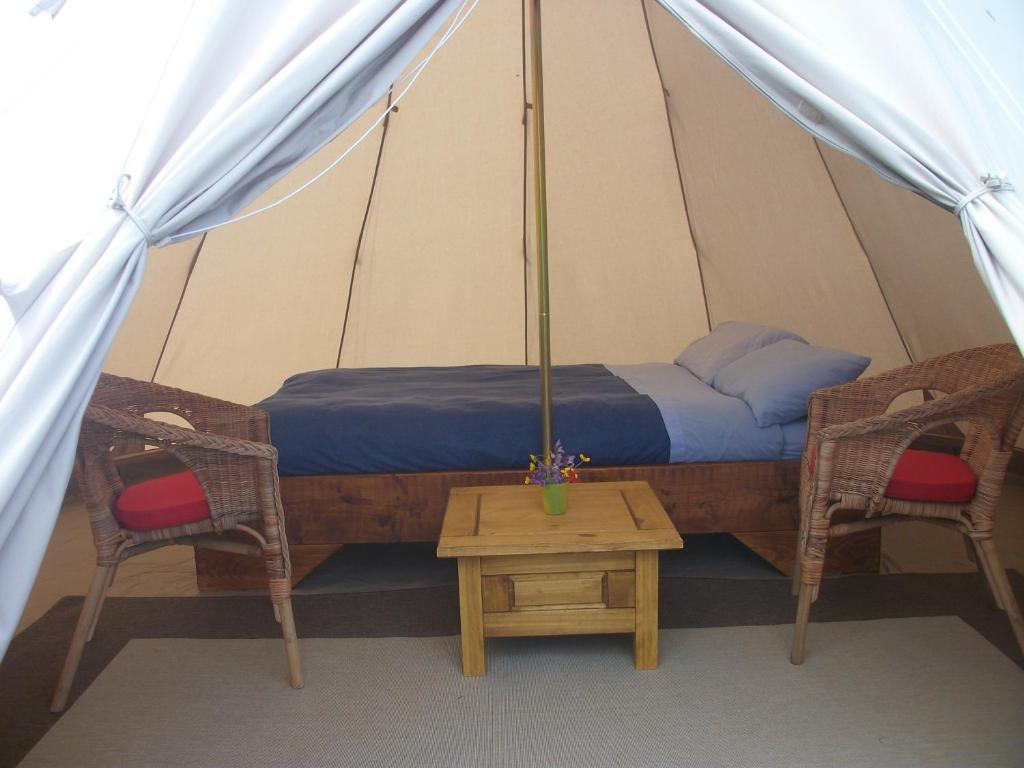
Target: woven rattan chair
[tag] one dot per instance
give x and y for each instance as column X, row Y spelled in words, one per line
column 231, row 484
column 858, row 471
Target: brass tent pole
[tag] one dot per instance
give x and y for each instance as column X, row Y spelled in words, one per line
column 541, row 202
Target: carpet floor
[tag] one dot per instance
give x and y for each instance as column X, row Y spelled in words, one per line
column 924, row 692
column 29, row 670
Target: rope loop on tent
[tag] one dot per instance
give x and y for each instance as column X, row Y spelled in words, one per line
column 117, row 203
column 994, row 182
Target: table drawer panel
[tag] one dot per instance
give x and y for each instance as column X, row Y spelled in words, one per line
column 621, row 589
column 558, row 563
column 497, row 593
column 551, row 589
column 585, row 621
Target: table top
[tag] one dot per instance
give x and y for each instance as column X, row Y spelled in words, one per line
column 510, row 520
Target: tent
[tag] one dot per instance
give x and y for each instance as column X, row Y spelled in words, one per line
column 758, row 221
column 678, row 197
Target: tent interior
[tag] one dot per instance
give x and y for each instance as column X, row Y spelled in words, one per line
column 678, row 197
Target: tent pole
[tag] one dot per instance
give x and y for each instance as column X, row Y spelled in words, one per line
column 540, row 198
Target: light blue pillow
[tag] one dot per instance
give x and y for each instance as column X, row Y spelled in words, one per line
column 727, row 343
column 775, row 381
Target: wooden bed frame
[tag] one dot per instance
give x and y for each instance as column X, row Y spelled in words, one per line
column 755, row 501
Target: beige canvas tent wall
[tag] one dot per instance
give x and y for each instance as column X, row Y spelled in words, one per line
column 678, row 197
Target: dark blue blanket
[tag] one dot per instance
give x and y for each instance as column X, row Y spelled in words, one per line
column 369, row 420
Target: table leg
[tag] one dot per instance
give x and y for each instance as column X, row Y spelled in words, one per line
column 645, row 640
column 471, row 616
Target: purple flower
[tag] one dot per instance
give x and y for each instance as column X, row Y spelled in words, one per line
column 559, row 469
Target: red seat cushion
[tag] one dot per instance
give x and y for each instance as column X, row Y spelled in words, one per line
column 926, row 476
column 162, row 503
column 930, row 476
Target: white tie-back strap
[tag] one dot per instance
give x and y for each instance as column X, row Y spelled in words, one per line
column 117, row 203
column 994, row 182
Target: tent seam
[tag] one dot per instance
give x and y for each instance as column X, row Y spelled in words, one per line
column 679, row 170
column 177, row 308
column 864, row 250
column 362, row 227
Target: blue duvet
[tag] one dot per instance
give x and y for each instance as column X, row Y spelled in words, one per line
column 370, row 420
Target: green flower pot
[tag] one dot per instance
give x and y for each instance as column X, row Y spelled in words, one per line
column 555, row 498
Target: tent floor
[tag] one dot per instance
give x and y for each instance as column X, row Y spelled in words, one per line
column 71, row 558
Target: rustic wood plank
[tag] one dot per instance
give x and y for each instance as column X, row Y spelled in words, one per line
column 497, row 593
column 621, row 589
column 586, row 621
column 856, row 553
column 512, row 510
column 644, row 508
column 586, row 561
column 556, row 543
column 511, row 521
column 645, row 639
column 471, row 617
column 463, row 516
column 557, row 589
column 699, row 498
column 224, row 570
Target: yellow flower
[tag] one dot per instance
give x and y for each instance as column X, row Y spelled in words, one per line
column 584, row 459
column 532, row 466
column 526, row 481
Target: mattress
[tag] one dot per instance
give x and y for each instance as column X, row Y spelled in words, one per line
column 382, row 420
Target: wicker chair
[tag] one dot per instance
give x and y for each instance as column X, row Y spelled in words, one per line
column 231, row 484
column 858, row 471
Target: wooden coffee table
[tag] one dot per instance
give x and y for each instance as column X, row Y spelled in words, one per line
column 593, row 570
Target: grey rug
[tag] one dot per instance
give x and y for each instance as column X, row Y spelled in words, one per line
column 898, row 692
column 29, row 670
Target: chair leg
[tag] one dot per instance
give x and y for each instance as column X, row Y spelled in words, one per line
column 1002, row 589
column 99, row 608
column 801, row 547
column 803, row 614
column 971, row 550
column 794, row 588
column 85, row 622
column 812, row 564
column 275, row 555
column 279, row 582
column 291, row 645
column 985, row 567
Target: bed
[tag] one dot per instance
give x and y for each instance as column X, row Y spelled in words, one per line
column 369, row 455
column 445, row 419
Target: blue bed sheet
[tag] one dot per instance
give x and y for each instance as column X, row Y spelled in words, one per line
column 794, row 435
column 370, row 420
column 702, row 423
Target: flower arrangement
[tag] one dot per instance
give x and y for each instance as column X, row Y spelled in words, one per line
column 561, row 469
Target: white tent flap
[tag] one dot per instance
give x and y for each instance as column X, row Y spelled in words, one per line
column 863, row 77
column 242, row 94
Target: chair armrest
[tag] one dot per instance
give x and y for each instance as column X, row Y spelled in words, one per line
column 207, row 414
column 860, row 399
column 956, row 407
column 169, row 436
column 958, row 372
